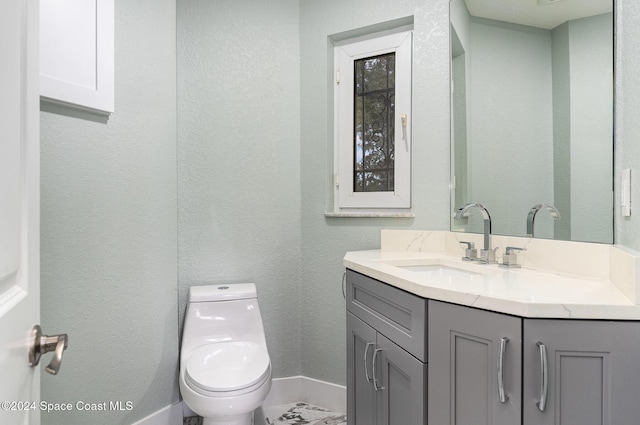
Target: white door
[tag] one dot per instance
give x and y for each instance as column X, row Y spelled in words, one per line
column 19, row 210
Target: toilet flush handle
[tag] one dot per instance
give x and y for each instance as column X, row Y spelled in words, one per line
column 41, row 344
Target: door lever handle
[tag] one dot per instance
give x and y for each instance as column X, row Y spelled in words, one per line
column 42, row 344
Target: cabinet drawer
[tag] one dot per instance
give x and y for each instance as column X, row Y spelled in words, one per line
column 398, row 315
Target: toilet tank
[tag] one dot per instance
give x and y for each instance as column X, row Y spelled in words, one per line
column 236, row 291
column 222, row 313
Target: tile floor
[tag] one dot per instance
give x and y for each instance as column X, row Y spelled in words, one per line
column 292, row 414
column 302, row 414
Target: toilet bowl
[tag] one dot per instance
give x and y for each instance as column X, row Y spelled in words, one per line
column 225, row 370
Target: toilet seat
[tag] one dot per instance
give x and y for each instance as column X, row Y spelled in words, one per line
column 227, row 368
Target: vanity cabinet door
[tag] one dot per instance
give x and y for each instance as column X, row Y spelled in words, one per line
column 592, row 369
column 402, row 397
column 398, row 395
column 464, row 349
column 361, row 396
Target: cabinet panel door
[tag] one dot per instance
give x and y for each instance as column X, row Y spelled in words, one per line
column 361, row 396
column 77, row 53
column 593, row 371
column 397, row 314
column 464, row 348
column 402, row 398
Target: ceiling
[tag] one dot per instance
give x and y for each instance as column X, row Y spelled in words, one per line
column 546, row 14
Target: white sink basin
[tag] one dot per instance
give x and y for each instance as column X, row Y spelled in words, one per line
column 440, row 267
column 437, row 270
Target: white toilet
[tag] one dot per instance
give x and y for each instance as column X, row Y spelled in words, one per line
column 225, row 370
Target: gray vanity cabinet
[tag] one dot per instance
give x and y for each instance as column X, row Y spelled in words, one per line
column 386, row 354
column 554, row 372
column 484, row 368
column 474, row 366
column 592, row 372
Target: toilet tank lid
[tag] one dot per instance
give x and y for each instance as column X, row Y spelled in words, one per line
column 222, row 292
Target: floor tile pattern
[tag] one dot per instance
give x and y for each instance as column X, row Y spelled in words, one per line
column 302, row 414
column 292, row 414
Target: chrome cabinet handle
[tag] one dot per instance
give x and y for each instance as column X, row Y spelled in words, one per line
column 42, row 344
column 544, row 378
column 503, row 348
column 375, row 381
column 366, row 372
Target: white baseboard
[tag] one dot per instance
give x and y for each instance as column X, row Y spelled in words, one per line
column 284, row 390
column 300, row 388
column 169, row 415
column 324, row 394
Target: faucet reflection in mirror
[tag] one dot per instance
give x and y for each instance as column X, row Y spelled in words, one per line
column 485, row 255
column 555, row 214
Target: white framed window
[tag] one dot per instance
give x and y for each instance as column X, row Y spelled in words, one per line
column 372, row 117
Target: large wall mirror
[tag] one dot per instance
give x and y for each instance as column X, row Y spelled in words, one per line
column 532, row 115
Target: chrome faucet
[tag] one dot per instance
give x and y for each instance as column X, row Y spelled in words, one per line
column 532, row 215
column 486, row 255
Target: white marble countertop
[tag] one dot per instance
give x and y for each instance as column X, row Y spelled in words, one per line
column 526, row 292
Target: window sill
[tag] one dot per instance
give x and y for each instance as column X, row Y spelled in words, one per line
column 369, row 215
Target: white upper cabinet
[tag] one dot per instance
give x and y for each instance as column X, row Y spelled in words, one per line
column 77, row 52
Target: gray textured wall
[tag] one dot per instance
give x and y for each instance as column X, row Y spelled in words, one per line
column 238, row 158
column 109, row 230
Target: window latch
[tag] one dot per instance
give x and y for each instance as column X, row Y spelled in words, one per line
column 403, row 120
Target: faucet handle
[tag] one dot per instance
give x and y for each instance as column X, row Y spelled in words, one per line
column 470, row 252
column 510, row 257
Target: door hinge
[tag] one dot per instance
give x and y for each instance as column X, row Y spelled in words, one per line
column 337, row 76
column 337, row 180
